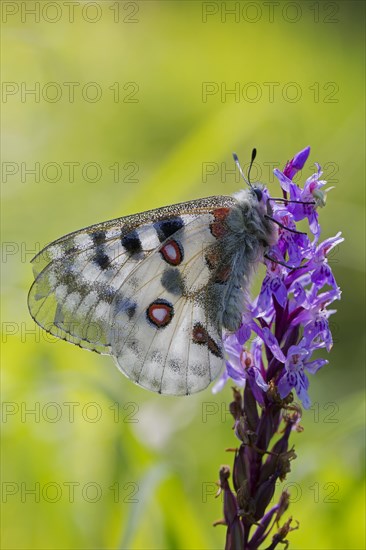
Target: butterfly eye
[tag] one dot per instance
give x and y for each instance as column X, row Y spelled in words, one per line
column 258, row 193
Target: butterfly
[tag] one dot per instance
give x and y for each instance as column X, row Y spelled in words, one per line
column 157, row 289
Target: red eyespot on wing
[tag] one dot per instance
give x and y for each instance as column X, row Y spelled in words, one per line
column 172, row 252
column 218, row 226
column 160, row 313
column 199, row 334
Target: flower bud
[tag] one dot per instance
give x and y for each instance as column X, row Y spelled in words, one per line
column 235, row 529
column 250, row 408
column 241, row 468
column 297, row 163
column 263, row 496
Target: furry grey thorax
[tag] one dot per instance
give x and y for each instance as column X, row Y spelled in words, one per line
column 249, row 235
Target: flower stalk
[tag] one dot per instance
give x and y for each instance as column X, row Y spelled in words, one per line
column 270, row 357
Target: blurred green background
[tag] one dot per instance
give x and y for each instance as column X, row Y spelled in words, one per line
column 131, row 109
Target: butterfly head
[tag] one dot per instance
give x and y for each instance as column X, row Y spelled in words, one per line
column 259, row 196
column 257, row 191
column 260, row 199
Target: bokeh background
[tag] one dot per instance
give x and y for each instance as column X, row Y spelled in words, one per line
column 131, row 109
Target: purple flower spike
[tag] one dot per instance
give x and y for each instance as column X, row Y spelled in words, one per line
column 297, row 163
column 291, row 308
column 271, row 357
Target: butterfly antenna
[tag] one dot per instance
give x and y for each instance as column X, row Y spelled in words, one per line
column 236, row 160
column 254, row 154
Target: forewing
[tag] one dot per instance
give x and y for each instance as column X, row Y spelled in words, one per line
column 78, row 276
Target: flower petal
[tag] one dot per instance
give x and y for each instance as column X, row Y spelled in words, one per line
column 285, row 182
column 244, row 332
column 314, row 366
column 236, row 374
column 279, row 290
column 323, row 275
column 286, row 384
column 299, row 294
column 264, row 298
column 294, row 380
column 221, row 382
column 298, row 351
column 273, row 344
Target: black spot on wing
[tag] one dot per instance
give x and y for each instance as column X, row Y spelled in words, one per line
column 172, row 281
column 70, row 251
column 131, row 310
column 102, row 259
column 99, row 237
column 132, row 243
column 125, row 305
column 166, row 228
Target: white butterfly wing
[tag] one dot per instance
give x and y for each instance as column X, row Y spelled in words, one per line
column 78, row 276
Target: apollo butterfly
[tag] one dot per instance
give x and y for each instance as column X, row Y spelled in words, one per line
column 156, row 290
